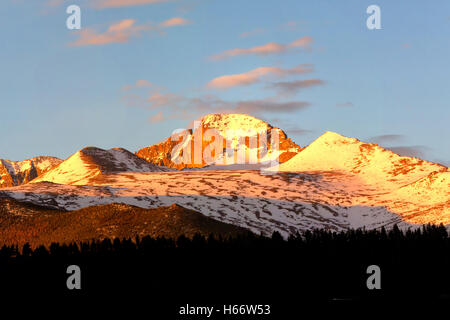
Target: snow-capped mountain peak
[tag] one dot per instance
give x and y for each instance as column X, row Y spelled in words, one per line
column 233, row 121
column 14, row 173
column 91, row 163
column 371, row 163
column 236, row 131
column 330, row 137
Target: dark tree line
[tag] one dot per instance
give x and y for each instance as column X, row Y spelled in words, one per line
column 424, row 238
column 318, row 265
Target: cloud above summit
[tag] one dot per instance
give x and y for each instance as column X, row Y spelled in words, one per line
column 253, row 76
column 267, row 49
column 167, row 105
column 103, row 4
column 292, row 87
column 108, row 4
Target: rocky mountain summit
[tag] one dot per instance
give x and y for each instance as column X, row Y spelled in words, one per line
column 236, row 130
column 14, row 173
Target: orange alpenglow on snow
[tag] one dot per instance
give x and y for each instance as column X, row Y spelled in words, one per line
column 245, row 140
column 335, row 183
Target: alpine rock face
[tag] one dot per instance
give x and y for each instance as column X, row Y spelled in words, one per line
column 237, row 131
column 15, row 173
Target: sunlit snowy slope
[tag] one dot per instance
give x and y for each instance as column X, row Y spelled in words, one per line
column 335, row 183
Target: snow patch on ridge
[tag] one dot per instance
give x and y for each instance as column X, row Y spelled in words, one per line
column 234, row 121
column 91, row 163
column 371, row 163
column 13, row 173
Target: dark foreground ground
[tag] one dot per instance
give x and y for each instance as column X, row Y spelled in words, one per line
column 317, row 272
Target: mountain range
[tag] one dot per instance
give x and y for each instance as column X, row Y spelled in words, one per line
column 335, row 183
column 14, row 173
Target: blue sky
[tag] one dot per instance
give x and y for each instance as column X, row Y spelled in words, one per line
column 153, row 72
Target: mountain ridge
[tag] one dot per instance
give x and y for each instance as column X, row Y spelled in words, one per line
column 14, row 173
column 334, row 183
column 241, row 125
column 375, row 164
column 92, row 163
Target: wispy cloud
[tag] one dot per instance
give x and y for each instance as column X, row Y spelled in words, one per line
column 159, row 98
column 386, row 139
column 102, row 4
column 106, row 4
column 292, row 25
column 159, row 117
column 269, row 48
column 410, row 151
column 173, row 22
column 138, row 84
column 122, row 32
column 119, row 32
column 52, row 6
column 266, row 106
column 253, row 76
column 54, row 3
column 292, row 87
column 182, row 107
column 298, row 131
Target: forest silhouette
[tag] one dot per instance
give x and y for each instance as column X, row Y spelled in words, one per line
column 318, row 266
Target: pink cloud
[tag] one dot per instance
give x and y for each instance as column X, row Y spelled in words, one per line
column 158, row 99
column 105, row 4
column 138, row 84
column 54, row 3
column 157, row 118
column 269, row 48
column 174, row 22
column 102, row 4
column 253, row 76
column 143, row 83
column 121, row 26
column 119, row 32
column 302, row 42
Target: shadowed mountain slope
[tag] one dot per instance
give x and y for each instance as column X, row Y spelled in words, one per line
column 22, row 222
